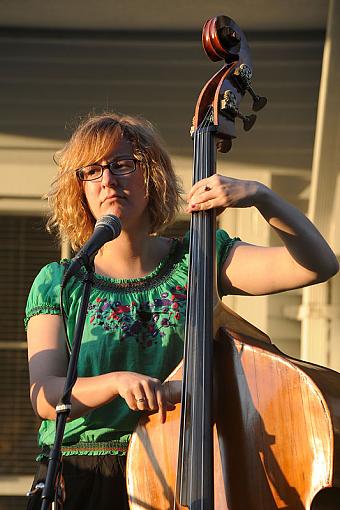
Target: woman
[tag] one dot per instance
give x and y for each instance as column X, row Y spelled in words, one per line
column 133, row 334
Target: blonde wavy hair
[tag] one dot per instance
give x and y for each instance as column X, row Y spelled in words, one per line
column 92, row 141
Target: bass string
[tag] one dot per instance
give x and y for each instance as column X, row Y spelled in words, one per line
column 203, row 365
column 200, row 233
column 200, row 379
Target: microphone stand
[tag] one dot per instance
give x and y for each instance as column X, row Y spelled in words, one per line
column 52, row 493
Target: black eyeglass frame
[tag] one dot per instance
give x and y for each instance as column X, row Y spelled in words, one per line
column 110, row 166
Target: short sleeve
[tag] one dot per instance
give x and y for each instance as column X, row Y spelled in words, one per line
column 44, row 296
column 223, row 245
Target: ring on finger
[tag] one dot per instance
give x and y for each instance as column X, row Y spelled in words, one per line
column 140, row 399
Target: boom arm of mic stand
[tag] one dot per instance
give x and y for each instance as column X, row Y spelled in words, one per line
column 63, row 408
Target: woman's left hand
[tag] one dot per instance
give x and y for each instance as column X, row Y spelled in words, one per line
column 304, row 259
column 220, row 192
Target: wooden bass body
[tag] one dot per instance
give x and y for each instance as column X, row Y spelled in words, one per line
column 276, row 432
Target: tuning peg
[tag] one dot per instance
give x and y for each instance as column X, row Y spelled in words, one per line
column 229, row 109
column 259, row 101
column 248, row 120
column 243, row 76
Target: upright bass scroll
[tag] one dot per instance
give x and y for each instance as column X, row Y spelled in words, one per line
column 223, row 40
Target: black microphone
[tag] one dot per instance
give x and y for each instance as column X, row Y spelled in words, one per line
column 106, row 229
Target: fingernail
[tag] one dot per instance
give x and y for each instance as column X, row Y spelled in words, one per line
column 190, row 208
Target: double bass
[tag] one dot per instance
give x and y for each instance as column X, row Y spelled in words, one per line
column 254, row 429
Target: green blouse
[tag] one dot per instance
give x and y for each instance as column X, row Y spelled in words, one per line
column 134, row 325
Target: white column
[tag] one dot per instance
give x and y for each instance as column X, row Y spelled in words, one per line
column 316, row 319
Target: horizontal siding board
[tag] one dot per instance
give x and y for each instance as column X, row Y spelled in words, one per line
column 47, row 83
column 77, row 70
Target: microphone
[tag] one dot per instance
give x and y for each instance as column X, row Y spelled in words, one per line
column 106, row 229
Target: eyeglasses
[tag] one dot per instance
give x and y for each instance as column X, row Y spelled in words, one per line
column 95, row 172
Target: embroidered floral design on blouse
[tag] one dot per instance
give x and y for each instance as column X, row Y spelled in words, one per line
column 145, row 321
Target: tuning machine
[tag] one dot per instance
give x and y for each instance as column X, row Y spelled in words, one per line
column 242, row 76
column 228, row 108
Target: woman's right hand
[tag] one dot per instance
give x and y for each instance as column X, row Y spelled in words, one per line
column 48, row 365
column 143, row 393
